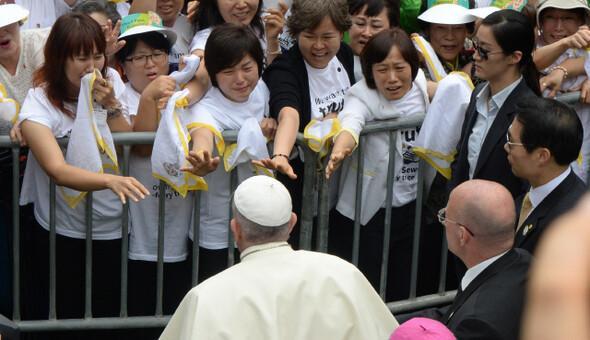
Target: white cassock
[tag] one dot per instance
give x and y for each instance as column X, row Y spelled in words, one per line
column 279, row 293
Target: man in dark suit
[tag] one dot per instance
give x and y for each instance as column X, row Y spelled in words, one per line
column 480, row 150
column 479, row 224
column 545, row 137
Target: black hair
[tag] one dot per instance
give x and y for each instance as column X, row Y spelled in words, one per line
column 378, row 47
column 548, row 123
column 208, row 15
column 514, row 32
column 374, row 7
column 154, row 40
column 227, row 45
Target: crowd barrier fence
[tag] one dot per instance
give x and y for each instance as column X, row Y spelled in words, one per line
column 314, row 183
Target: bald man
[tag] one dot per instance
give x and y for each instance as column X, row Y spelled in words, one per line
column 479, row 224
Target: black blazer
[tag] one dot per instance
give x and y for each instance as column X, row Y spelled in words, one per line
column 559, row 201
column 491, row 305
column 492, row 163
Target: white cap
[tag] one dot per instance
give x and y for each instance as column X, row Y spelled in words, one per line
column 264, row 200
column 447, row 14
column 11, row 13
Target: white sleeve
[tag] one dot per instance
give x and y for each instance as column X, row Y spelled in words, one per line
column 199, row 40
column 35, row 108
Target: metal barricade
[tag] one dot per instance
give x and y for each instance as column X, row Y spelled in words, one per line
column 312, row 180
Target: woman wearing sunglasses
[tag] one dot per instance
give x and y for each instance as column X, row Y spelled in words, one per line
column 503, row 47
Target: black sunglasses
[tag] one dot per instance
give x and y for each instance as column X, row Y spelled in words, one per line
column 483, row 53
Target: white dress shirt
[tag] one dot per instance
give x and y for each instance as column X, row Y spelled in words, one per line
column 486, row 113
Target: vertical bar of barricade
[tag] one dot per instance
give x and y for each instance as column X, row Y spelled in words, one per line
column 230, row 234
column 443, row 265
column 358, row 199
column 160, row 264
column 323, row 208
column 15, row 235
column 306, row 226
column 417, row 226
column 387, row 222
column 52, row 313
column 124, row 237
column 88, row 264
column 196, row 229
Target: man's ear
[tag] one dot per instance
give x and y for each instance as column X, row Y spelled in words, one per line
column 292, row 222
column 236, row 228
column 544, row 155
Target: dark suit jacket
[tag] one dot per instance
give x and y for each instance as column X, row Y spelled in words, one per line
column 560, row 200
column 492, row 163
column 491, row 305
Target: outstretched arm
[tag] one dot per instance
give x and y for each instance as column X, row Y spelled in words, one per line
column 48, row 153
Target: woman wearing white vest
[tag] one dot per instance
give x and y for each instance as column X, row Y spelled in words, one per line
column 76, row 47
column 393, row 87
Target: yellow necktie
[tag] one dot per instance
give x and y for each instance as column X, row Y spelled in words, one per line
column 525, row 210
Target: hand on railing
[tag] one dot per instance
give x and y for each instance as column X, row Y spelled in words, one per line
column 278, row 162
column 336, row 159
column 17, row 136
column 584, row 89
column 201, row 162
column 269, row 127
column 126, row 186
column 552, row 82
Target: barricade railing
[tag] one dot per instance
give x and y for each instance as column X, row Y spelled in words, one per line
column 314, row 181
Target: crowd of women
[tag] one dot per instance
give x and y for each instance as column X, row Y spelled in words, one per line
column 283, row 68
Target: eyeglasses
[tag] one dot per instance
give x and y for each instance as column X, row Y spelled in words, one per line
column 511, row 144
column 140, row 61
column 442, row 218
column 483, row 53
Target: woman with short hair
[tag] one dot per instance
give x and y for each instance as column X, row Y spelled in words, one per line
column 308, row 82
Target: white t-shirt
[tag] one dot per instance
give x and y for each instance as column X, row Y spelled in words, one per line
column 107, row 209
column 406, row 180
column 223, row 114
column 200, row 39
column 184, row 34
column 327, row 88
column 143, row 241
column 43, row 13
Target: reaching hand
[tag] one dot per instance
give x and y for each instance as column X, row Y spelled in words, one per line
column 279, row 163
column 336, row 159
column 201, row 162
column 126, row 187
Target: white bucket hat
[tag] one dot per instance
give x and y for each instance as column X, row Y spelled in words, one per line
column 562, row 4
column 11, row 13
column 447, row 14
column 139, row 23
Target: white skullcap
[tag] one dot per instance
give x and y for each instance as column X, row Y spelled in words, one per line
column 263, row 200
